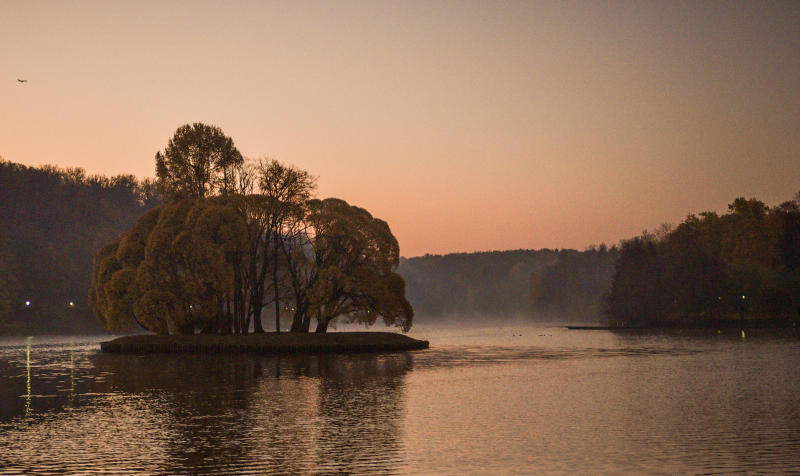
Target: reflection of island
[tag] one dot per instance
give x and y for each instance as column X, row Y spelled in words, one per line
column 289, row 414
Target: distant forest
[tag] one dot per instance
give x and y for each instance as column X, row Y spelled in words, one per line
column 542, row 285
column 53, row 222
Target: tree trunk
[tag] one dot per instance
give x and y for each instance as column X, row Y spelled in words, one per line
column 257, row 296
column 225, row 328
column 322, row 325
column 247, row 315
column 297, row 321
column 301, row 319
column 255, row 305
column 277, row 294
column 306, row 323
column 236, row 326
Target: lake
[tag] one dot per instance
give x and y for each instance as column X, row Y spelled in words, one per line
column 479, row 401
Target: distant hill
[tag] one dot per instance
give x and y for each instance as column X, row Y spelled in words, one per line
column 541, row 285
column 53, row 221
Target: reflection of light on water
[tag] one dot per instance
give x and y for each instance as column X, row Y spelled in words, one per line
column 71, row 370
column 133, row 437
column 28, row 373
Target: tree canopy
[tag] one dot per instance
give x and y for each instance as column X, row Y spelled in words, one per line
column 199, row 161
column 53, row 221
column 218, row 253
column 742, row 264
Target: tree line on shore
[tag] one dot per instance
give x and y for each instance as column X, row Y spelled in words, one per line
column 248, row 241
column 53, row 221
column 711, row 268
column 236, row 237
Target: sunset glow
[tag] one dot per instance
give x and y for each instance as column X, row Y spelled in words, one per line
column 465, row 125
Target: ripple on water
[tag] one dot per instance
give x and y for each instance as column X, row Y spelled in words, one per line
column 560, row 405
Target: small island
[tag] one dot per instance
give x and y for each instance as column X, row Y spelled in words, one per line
column 236, row 239
column 266, row 343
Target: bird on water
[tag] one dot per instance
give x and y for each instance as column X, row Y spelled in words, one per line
column 22, row 80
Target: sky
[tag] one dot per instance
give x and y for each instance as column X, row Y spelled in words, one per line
column 467, row 126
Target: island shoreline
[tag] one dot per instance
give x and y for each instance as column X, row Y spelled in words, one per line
column 266, row 343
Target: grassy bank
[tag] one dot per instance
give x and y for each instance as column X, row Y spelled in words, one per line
column 334, row 342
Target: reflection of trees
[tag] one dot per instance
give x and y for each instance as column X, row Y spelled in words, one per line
column 361, row 414
column 332, row 413
column 288, row 414
column 205, row 398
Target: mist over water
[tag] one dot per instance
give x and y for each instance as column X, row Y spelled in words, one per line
column 499, row 399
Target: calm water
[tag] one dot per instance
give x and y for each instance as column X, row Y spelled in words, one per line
column 480, row 401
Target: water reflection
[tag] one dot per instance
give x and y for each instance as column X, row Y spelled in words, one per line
column 83, row 411
column 287, row 414
column 37, row 379
column 550, row 402
column 28, row 378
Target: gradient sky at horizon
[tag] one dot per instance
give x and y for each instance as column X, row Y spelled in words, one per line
column 467, row 125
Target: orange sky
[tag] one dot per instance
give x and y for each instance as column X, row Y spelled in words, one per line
column 466, row 125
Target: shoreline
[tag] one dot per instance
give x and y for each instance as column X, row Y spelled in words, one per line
column 724, row 329
column 267, row 343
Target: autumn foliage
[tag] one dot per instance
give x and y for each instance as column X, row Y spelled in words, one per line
column 711, row 269
column 236, row 238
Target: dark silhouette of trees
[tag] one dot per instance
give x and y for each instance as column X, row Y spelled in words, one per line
column 217, row 253
column 199, row 161
column 355, row 256
column 53, row 222
column 285, row 192
column 8, row 286
column 712, row 268
column 174, row 270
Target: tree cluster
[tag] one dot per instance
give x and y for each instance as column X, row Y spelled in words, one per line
column 239, row 237
column 53, row 221
column 744, row 264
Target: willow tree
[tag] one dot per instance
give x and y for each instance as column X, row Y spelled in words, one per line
column 350, row 261
column 173, row 272
column 236, row 236
column 199, row 161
